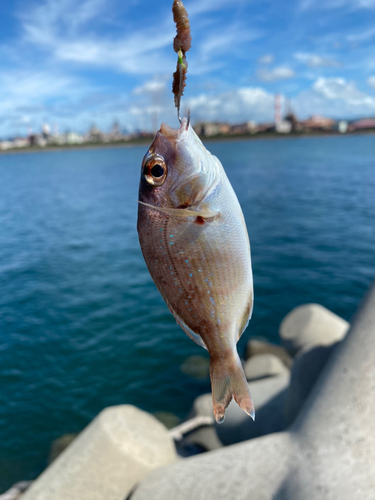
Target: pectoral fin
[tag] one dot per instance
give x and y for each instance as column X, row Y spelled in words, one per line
column 183, row 212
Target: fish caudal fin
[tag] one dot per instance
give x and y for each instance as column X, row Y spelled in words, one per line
column 228, row 380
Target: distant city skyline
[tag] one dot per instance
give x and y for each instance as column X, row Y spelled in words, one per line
column 95, row 61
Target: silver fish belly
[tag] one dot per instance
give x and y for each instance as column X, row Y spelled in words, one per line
column 194, row 240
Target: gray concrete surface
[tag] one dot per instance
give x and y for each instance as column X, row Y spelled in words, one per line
column 256, row 346
column 263, row 366
column 115, row 451
column 327, row 454
column 311, row 324
column 16, row 491
column 205, row 436
column 202, row 406
column 307, row 366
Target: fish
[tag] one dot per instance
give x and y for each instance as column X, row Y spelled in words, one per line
column 194, row 240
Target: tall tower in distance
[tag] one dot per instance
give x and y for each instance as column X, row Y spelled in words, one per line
column 281, row 126
column 277, row 108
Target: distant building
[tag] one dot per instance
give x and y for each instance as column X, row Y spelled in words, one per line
column 239, row 129
column 20, row 142
column 363, row 124
column 342, row 126
column 95, row 135
column 46, row 131
column 115, row 133
column 17, row 142
column 73, row 138
column 266, row 127
column 318, row 122
column 4, row 145
column 283, row 127
column 277, row 109
column 252, row 127
column 209, row 129
column 293, row 120
column 224, row 128
column 40, row 141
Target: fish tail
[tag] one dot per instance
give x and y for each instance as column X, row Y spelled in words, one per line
column 228, row 380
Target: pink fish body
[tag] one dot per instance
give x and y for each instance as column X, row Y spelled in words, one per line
column 195, row 243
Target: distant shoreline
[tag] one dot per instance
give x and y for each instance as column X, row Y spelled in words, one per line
column 146, row 141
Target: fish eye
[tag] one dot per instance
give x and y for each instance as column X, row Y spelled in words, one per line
column 155, row 171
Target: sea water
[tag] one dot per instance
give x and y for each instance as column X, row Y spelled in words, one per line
column 82, row 325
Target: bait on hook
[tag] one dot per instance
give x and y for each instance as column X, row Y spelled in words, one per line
column 181, row 44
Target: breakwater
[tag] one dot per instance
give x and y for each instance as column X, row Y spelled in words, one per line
column 304, row 440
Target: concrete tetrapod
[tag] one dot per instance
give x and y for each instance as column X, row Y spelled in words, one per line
column 115, row 451
column 328, row 453
column 262, row 366
column 311, row 324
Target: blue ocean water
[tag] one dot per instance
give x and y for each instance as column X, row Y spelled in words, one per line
column 82, row 326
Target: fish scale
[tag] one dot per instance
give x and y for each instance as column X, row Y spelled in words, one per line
column 194, row 240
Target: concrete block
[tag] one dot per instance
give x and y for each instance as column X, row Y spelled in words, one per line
column 327, row 453
column 115, row 451
column 205, row 436
column 263, row 366
column 255, row 347
column 311, row 324
column 247, row 471
column 307, row 366
column 16, row 491
column 202, row 406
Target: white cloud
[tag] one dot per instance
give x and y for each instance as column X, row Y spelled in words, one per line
column 25, row 87
column 315, row 61
column 215, row 45
column 150, row 87
column 24, row 94
column 363, row 36
column 41, row 22
column 58, row 39
column 334, row 97
column 52, row 27
column 338, row 88
column 243, row 104
column 65, row 36
column 49, row 26
column 337, row 4
column 266, row 59
column 272, row 75
column 135, row 54
column 371, row 82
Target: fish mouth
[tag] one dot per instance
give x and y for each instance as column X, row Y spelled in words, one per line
column 175, row 133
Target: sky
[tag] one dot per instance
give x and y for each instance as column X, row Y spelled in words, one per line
column 73, row 63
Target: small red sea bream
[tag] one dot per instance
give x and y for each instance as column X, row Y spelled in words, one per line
column 194, row 240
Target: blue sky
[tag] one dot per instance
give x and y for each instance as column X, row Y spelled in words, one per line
column 76, row 62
